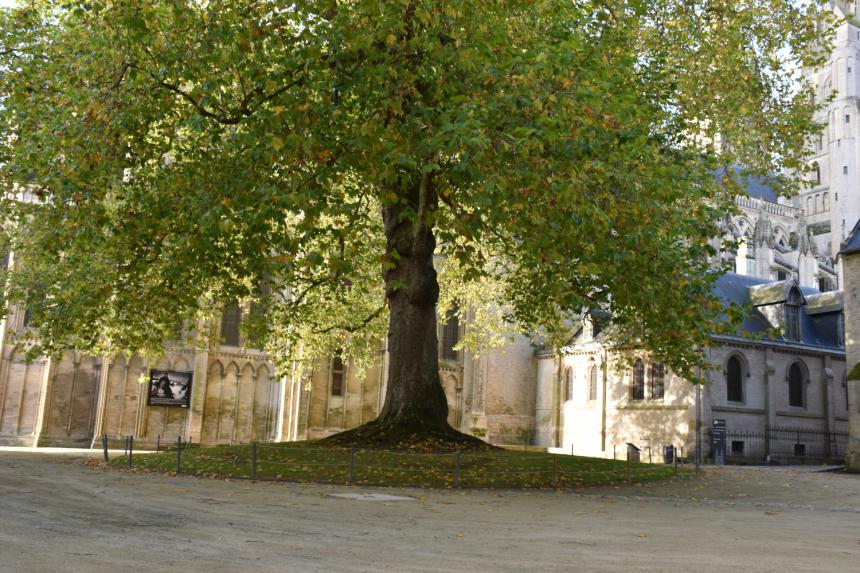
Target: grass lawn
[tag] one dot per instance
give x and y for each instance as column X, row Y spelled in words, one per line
column 308, row 462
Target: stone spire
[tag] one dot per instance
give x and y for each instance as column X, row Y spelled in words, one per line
column 763, row 230
column 807, row 264
column 805, row 242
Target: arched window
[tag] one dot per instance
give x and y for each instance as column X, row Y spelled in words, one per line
column 809, row 204
column 826, row 201
column 795, row 385
column 817, row 169
column 450, row 336
column 734, row 380
column 568, row 384
column 337, row 372
column 592, row 383
column 658, row 383
column 637, row 383
column 817, row 203
column 230, row 320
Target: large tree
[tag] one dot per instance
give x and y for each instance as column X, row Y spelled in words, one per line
column 177, row 155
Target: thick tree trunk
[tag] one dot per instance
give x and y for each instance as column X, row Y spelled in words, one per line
column 414, row 391
column 415, row 412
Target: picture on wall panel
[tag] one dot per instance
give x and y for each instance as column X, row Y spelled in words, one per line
column 169, row 388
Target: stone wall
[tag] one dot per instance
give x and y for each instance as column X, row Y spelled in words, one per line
column 318, row 413
column 851, row 270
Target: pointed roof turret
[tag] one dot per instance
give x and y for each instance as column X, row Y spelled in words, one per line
column 805, row 243
column 763, row 231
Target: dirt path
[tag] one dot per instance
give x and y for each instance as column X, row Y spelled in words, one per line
column 58, row 515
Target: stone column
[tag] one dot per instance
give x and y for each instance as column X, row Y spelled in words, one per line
column 194, row 422
column 101, row 406
column 45, row 390
column 827, row 392
column 771, row 387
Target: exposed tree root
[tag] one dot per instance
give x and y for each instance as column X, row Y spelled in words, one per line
column 406, row 434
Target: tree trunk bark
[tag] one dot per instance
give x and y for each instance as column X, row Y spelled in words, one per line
column 415, row 412
column 415, row 393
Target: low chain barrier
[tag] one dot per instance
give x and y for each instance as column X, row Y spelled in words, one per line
column 369, row 467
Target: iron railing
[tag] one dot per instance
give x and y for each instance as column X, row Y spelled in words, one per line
column 786, row 442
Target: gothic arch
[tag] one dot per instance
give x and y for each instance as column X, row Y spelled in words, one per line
column 232, row 367
column 568, row 383
column 742, row 227
column 246, row 367
column 217, row 368
column 797, row 378
column 736, row 370
column 180, row 364
column 780, row 236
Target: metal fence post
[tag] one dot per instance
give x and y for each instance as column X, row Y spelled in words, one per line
column 178, row 454
column 253, row 461
column 675, row 458
column 457, row 470
column 351, row 465
column 158, row 443
column 105, row 447
column 629, row 476
column 555, row 470
column 130, row 450
column 649, row 455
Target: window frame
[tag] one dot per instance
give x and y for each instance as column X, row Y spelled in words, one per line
column 801, row 381
column 592, row 383
column 637, row 380
column 337, row 376
column 226, row 322
column 568, row 384
column 792, row 322
column 652, row 370
column 450, row 332
column 741, row 371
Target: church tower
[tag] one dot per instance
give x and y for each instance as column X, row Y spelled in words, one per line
column 832, row 205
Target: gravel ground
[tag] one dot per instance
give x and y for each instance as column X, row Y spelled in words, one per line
column 60, row 515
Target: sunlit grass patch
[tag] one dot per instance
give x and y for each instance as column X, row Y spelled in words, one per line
column 307, row 462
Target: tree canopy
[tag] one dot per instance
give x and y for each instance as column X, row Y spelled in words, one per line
column 180, row 154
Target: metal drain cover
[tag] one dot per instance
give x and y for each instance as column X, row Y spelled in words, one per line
column 371, row 496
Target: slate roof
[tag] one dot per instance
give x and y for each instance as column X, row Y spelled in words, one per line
column 831, row 301
column 819, row 312
column 852, row 243
column 756, row 186
column 818, row 328
column 769, row 292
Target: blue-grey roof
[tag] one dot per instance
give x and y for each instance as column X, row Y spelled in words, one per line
column 819, row 329
column 852, row 243
column 755, row 186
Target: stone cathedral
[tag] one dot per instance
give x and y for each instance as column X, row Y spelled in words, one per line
column 783, row 258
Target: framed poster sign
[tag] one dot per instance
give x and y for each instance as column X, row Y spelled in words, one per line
column 169, row 388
